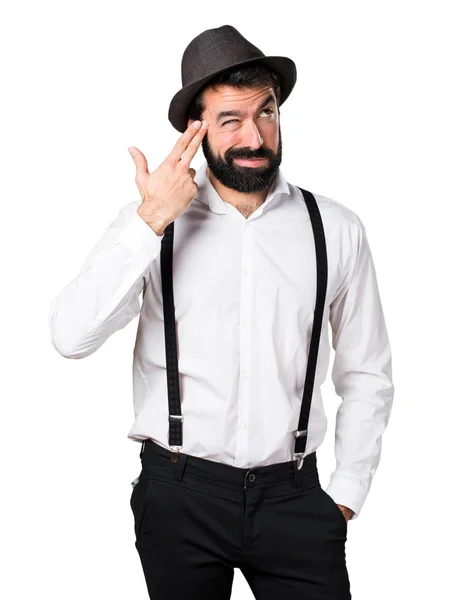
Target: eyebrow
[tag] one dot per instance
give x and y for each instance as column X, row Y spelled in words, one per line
column 238, row 113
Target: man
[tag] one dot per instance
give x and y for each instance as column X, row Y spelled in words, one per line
column 239, row 272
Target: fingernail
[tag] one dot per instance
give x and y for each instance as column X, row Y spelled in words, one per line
column 204, row 124
column 132, row 151
column 197, row 124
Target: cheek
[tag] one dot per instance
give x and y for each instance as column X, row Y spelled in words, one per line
column 270, row 136
column 223, row 140
column 220, row 142
column 271, row 130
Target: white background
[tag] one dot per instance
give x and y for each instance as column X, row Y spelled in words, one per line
column 371, row 123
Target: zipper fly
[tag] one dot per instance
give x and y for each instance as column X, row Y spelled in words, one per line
column 243, row 510
column 245, row 478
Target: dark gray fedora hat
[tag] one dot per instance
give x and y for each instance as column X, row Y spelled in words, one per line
column 214, row 51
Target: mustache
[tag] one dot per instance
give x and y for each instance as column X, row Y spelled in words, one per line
column 260, row 153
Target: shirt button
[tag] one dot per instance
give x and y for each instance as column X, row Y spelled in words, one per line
column 251, row 477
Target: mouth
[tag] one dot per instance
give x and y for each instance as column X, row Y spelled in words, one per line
column 250, row 162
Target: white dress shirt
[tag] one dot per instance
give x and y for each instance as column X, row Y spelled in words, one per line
column 244, row 294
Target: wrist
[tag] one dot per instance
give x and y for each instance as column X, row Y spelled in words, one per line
column 154, row 220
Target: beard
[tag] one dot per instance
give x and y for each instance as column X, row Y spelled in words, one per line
column 244, row 179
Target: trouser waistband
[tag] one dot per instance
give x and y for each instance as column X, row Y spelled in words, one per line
column 156, row 457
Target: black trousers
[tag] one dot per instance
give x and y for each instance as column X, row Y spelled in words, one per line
column 198, row 519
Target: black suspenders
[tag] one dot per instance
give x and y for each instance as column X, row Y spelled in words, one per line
column 175, row 417
column 301, row 433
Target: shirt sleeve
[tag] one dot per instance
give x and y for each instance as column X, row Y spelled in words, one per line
column 104, row 296
column 362, row 376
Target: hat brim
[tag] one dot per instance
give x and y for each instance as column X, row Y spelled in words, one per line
column 179, row 105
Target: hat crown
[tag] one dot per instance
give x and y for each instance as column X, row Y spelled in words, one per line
column 213, row 50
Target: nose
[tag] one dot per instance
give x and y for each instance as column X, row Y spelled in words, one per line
column 251, row 136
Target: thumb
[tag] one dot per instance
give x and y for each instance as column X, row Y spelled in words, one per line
column 139, row 159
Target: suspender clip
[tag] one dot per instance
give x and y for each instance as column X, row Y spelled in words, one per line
column 300, row 456
column 175, row 453
column 175, row 449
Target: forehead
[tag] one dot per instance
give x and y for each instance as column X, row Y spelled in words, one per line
column 227, row 97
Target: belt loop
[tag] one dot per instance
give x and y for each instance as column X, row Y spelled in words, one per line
column 142, row 448
column 298, row 472
column 178, row 466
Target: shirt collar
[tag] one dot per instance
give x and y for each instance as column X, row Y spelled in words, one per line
column 207, row 193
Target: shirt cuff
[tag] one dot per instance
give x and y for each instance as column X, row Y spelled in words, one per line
column 347, row 493
column 137, row 235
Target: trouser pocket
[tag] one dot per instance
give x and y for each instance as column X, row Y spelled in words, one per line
column 139, row 501
column 334, row 508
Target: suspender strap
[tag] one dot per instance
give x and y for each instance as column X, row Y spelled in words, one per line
column 175, row 418
column 301, row 433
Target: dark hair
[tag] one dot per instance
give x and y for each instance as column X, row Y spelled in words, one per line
column 251, row 76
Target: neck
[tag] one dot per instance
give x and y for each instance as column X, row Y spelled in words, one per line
column 238, row 199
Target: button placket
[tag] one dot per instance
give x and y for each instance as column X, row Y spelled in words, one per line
column 244, row 319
